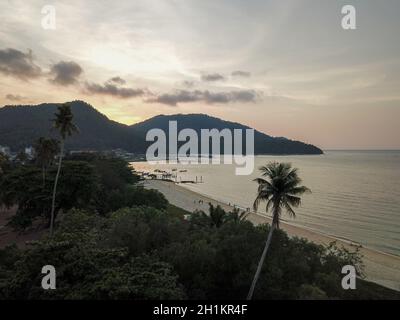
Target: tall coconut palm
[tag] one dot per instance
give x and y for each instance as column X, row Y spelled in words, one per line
column 63, row 123
column 281, row 191
column 45, row 151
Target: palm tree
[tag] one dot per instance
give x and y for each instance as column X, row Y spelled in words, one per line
column 238, row 216
column 63, row 123
column 217, row 215
column 45, row 151
column 281, row 190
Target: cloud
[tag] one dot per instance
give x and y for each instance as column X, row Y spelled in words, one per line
column 210, row 77
column 18, row 64
column 239, row 73
column 185, row 96
column 109, row 88
column 65, row 72
column 188, row 84
column 180, row 96
column 117, row 80
column 15, row 97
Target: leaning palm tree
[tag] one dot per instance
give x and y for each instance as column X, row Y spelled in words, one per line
column 281, row 190
column 63, row 123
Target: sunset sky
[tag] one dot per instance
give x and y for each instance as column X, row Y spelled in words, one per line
column 286, row 68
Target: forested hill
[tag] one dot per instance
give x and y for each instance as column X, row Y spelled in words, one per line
column 20, row 126
column 264, row 144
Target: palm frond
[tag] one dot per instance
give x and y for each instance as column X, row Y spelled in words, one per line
column 299, row 190
column 280, row 188
column 292, row 200
column 289, row 209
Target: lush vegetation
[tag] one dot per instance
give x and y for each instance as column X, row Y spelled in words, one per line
column 146, row 253
column 147, row 250
column 91, row 182
column 115, row 240
column 41, row 189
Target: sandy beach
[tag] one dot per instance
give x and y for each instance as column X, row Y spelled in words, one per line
column 380, row 267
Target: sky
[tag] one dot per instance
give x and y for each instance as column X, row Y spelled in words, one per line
column 286, row 68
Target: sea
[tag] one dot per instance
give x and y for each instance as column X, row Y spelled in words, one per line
column 355, row 194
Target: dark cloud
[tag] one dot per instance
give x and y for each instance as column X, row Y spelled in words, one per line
column 185, row 96
column 188, row 84
column 239, row 73
column 18, row 64
column 180, row 96
column 117, row 80
column 14, row 97
column 210, row 77
column 232, row 96
column 65, row 72
column 114, row 90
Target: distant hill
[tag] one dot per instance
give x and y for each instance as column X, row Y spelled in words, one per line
column 21, row 126
column 264, row 144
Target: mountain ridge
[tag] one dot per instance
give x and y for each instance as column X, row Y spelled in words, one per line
column 21, row 125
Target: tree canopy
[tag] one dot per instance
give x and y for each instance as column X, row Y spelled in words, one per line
column 146, row 253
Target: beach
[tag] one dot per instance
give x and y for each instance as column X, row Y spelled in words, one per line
column 381, row 268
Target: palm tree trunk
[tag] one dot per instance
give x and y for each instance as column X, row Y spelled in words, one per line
column 44, row 176
column 53, row 202
column 43, row 186
column 261, row 263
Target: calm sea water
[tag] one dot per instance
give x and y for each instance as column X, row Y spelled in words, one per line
column 355, row 195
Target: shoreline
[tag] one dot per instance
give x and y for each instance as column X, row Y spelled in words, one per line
column 380, row 267
column 339, row 239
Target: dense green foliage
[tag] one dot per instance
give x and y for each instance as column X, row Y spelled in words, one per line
column 145, row 253
column 118, row 185
column 23, row 187
column 85, row 269
column 96, row 182
column 116, row 240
